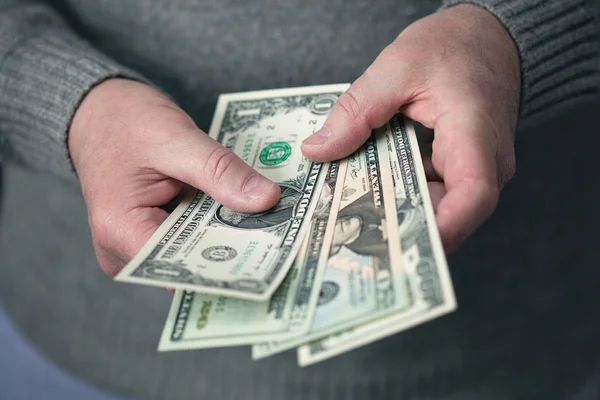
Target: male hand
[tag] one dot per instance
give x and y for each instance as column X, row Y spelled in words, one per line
column 134, row 150
column 456, row 72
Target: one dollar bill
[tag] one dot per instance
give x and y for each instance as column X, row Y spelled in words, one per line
column 199, row 320
column 425, row 264
column 208, row 248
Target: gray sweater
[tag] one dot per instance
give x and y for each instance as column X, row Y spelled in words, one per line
column 50, row 57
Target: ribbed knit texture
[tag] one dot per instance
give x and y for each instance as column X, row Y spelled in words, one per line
column 559, row 47
column 45, row 71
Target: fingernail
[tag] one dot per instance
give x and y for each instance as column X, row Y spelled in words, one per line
column 256, row 186
column 318, row 138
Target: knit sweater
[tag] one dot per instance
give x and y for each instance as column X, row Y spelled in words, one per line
column 50, row 57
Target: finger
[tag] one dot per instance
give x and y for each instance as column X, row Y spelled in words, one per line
column 172, row 204
column 200, row 161
column 425, row 136
column 464, row 154
column 110, row 264
column 430, row 172
column 437, row 191
column 367, row 104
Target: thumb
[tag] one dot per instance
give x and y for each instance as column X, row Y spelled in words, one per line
column 367, row 104
column 205, row 164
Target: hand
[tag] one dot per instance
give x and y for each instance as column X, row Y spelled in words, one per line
column 456, row 72
column 134, row 150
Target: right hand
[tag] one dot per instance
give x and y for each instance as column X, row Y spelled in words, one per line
column 465, row 86
column 134, row 150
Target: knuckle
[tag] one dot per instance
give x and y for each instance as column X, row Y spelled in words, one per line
column 508, row 172
column 106, row 264
column 101, row 229
column 507, row 169
column 452, row 237
column 217, row 163
column 453, row 240
column 489, row 198
column 350, row 105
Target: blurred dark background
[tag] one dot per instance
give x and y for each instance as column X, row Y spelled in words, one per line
column 527, row 284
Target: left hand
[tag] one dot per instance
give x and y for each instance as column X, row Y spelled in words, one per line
column 457, row 72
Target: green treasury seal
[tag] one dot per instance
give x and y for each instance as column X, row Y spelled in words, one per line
column 275, row 153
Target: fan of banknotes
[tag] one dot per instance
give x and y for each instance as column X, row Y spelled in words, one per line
column 350, row 254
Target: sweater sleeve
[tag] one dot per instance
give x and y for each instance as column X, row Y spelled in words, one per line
column 45, row 71
column 559, row 48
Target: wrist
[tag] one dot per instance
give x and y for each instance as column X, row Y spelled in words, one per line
column 82, row 117
column 102, row 105
column 557, row 49
column 492, row 42
column 476, row 17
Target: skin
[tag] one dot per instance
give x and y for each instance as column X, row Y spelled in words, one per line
column 456, row 72
column 122, row 142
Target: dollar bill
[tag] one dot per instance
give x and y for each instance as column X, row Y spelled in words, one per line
column 198, row 320
column 208, row 248
column 432, row 294
column 363, row 278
